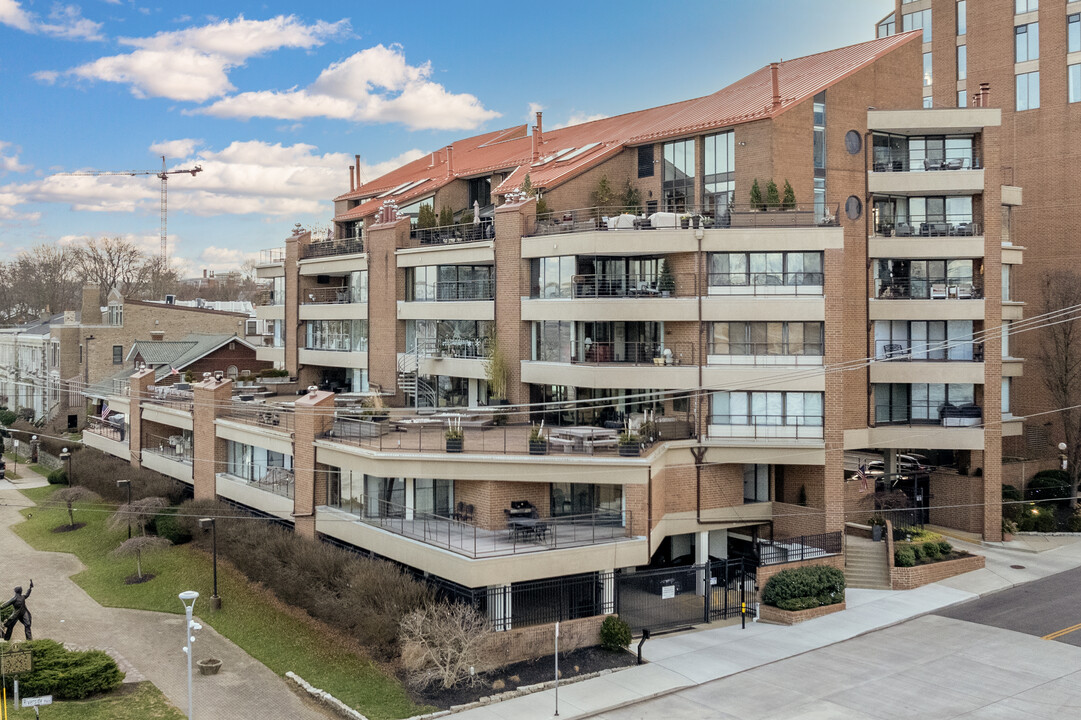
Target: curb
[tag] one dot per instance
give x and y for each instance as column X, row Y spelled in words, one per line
column 324, row 698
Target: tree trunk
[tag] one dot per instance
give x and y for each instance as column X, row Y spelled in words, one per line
column 139, row 565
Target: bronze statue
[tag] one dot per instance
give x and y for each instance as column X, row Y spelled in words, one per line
column 19, row 613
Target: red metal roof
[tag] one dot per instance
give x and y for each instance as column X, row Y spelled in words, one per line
column 748, row 99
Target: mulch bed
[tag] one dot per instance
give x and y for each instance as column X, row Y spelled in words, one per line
column 954, row 555
column 135, row 579
column 530, row 672
column 68, row 528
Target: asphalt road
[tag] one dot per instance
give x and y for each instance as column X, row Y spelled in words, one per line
column 1048, row 607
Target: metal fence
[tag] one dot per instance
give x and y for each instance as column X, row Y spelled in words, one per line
column 797, row 549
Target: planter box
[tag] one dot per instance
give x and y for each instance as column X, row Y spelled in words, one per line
column 770, row 614
column 455, row 446
column 538, row 447
column 908, row 578
column 630, row 450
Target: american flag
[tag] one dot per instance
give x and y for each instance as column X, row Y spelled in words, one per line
column 173, row 370
column 105, row 410
column 861, row 473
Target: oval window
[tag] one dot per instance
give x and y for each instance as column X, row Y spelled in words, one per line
column 853, row 142
column 853, row 207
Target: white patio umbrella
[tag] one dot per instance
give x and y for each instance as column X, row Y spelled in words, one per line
column 476, row 212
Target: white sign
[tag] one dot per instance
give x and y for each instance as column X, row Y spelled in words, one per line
column 43, row 700
column 668, row 592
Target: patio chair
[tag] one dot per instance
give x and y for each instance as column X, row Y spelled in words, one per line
column 903, row 230
column 938, row 291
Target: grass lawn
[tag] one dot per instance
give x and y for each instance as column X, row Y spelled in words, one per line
column 250, row 617
column 137, row 701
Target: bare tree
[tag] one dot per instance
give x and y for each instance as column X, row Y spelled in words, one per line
column 113, row 263
column 139, row 513
column 71, row 495
column 138, row 545
column 1060, row 359
column 443, row 642
column 43, row 278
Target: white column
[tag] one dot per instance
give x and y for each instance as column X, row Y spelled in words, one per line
column 410, row 499
column 701, row 557
column 608, row 591
column 499, row 610
column 718, row 544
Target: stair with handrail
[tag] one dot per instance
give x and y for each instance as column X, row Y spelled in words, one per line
column 410, row 382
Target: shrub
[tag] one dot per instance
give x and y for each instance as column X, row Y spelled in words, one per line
column 1011, row 502
column 444, row 642
column 68, row 675
column 99, row 472
column 930, row 551
column 57, row 477
column 1073, row 523
column 615, row 633
column 917, row 551
column 167, row 525
column 1049, row 485
column 812, row 586
column 1037, row 518
column 362, row 597
column 7, row 417
column 904, row 556
column 944, row 548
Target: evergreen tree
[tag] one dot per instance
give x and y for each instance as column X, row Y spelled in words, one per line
column 773, row 197
column 756, row 196
column 789, row 201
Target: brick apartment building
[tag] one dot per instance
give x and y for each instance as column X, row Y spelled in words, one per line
column 757, row 352
column 1029, row 54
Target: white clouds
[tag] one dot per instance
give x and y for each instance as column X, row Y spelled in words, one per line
column 10, row 162
column 534, row 108
column 175, row 148
column 251, row 177
column 375, row 85
column 219, row 259
column 65, row 21
column 193, row 64
column 579, row 118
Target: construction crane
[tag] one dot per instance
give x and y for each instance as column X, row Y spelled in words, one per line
column 163, row 175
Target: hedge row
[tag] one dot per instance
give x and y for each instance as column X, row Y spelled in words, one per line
column 362, row 597
column 805, row 588
column 912, row 554
column 67, row 674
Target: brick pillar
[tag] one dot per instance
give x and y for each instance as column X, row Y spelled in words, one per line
column 293, row 246
column 138, row 385
column 511, row 285
column 209, row 451
column 386, row 286
column 314, row 416
column 833, row 490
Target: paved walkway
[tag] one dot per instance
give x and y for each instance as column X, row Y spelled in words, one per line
column 147, row 642
column 693, row 658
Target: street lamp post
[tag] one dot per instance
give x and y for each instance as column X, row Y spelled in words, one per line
column 34, row 448
column 65, row 456
column 212, row 523
column 127, row 484
column 188, row 597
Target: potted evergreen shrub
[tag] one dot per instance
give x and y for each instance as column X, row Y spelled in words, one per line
column 455, row 437
column 756, row 197
column 773, row 197
column 666, row 282
column 684, row 221
column 538, row 443
column 789, row 200
column 629, row 444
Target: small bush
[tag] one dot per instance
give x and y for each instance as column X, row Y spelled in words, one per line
column 917, row 551
column 809, row 586
column 99, row 472
column 1049, row 485
column 57, row 477
column 450, row 638
column 7, row 417
column 615, row 633
column 904, row 556
column 167, row 525
column 1011, row 503
column 944, row 548
column 1073, row 523
column 68, row 675
column 930, row 551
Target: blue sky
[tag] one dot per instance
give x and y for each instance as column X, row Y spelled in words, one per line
column 274, row 99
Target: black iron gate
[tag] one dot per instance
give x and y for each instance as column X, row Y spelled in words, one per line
column 667, row 598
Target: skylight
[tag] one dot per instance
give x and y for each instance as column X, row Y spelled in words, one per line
column 409, row 186
column 579, row 151
column 395, row 190
column 554, row 156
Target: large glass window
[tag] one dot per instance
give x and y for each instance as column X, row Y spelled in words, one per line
column 1028, row 91
column 928, row 69
column 1006, row 382
column 925, row 403
column 480, row 192
column 962, row 62
column 551, row 277
column 888, row 26
column 453, row 338
column 678, row 179
column 1026, row 42
column 277, row 291
column 766, row 408
column 718, row 180
column 1073, row 73
column 962, row 99
column 755, row 483
column 450, row 282
column 645, row 161
column 339, row 335
column 919, row 20
column 553, row 340
column 383, row 497
column 588, row 499
column 923, row 340
column 1024, row 6
column 767, row 338
column 765, row 268
column 433, row 496
column 253, row 463
column 962, row 17
column 358, row 286
column 819, row 151
column 928, row 279
column 1073, row 33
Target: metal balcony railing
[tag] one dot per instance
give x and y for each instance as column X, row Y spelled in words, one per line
column 330, row 248
column 264, row 415
column 175, row 447
column 902, row 163
column 105, row 429
column 448, row 291
column 453, row 234
column 683, row 217
column 928, row 351
column 277, row 480
column 339, row 295
column 955, row 225
column 766, row 283
column 621, row 353
column 777, row 352
column 168, row 396
column 272, row 256
column 762, row 426
column 939, row 288
column 944, row 414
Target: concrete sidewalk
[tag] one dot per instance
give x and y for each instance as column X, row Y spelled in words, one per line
column 696, row 657
column 148, row 644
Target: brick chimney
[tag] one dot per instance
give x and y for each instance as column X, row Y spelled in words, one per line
column 538, row 137
column 774, row 69
column 352, row 178
column 450, row 160
column 91, row 305
column 356, row 159
column 985, row 92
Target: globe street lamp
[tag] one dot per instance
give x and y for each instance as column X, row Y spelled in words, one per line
column 65, row 456
column 188, row 597
column 212, row 524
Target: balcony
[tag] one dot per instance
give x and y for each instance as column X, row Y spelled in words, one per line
column 170, row 397
column 945, row 415
column 175, row 447
column 266, row 297
column 456, row 234
column 105, row 429
column 427, row 434
column 631, row 286
column 620, row 219
column 274, row 417
column 332, row 296
column 939, row 288
column 331, row 248
column 529, row 535
column 808, row 284
column 271, row 256
column 766, row 427
column 276, row 480
column 897, row 175
column 456, row 291
column 106, row 438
